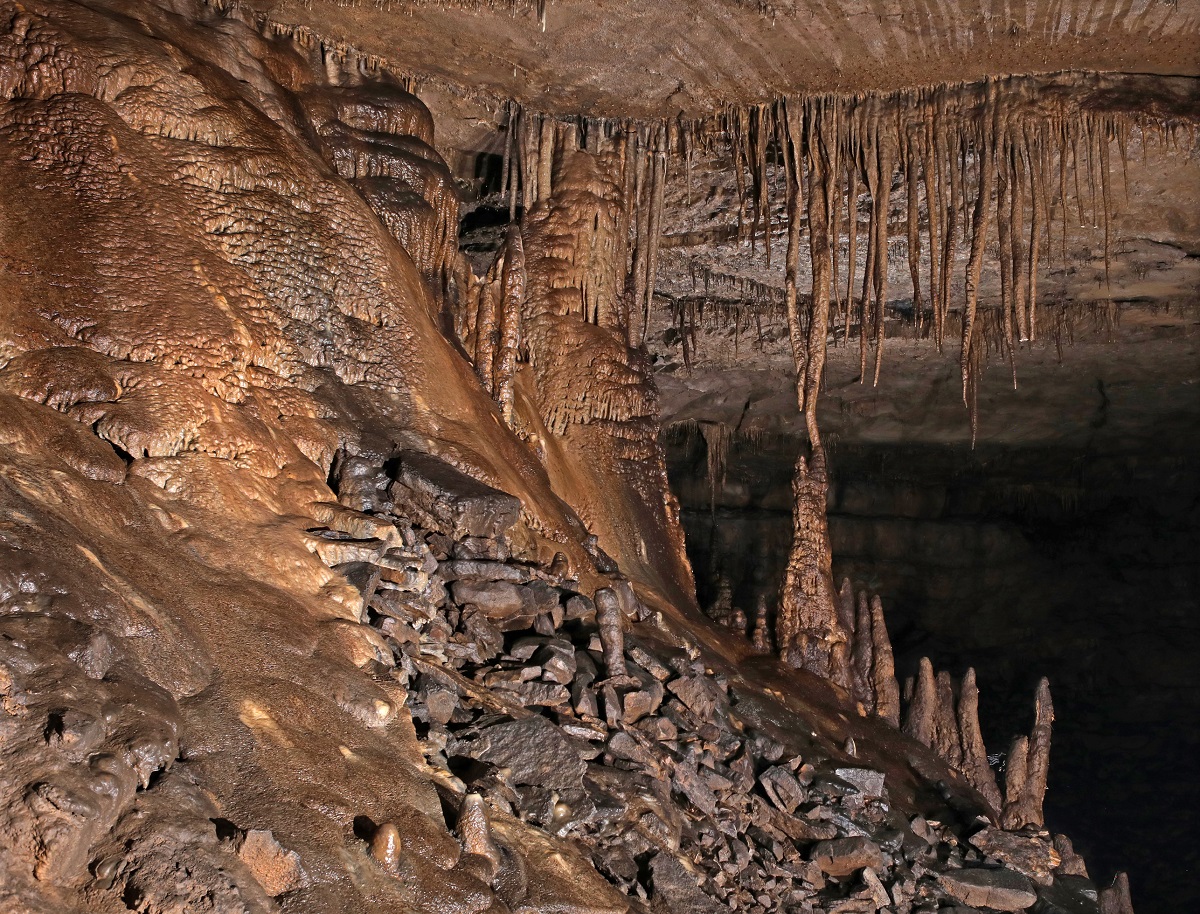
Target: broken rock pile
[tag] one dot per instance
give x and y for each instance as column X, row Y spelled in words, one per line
column 584, row 716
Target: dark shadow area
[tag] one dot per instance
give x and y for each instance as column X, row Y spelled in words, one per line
column 1080, row 566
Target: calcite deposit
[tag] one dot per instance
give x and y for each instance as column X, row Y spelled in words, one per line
column 339, row 565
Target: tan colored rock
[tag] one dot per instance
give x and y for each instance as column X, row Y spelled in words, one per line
column 277, row 869
column 975, row 765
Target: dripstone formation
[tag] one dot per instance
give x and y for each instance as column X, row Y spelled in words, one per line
column 339, row 568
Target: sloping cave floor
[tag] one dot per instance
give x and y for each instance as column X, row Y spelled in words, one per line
column 1065, row 544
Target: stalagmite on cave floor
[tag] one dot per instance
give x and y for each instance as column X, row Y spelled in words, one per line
column 448, row 453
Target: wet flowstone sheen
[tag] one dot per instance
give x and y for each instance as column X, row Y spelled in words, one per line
column 339, row 567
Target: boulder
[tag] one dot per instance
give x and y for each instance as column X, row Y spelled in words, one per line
column 534, row 750
column 998, row 889
column 499, row 601
column 445, row 499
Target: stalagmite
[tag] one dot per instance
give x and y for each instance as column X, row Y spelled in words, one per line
column 946, row 740
column 737, row 621
column 385, row 847
column 612, row 632
column 1071, row 864
column 807, row 630
column 1016, row 778
column 1023, row 799
column 887, row 689
column 921, row 722
column 486, row 335
column 863, row 668
column 475, row 831
column 1116, row 899
column 762, row 627
column 974, row 764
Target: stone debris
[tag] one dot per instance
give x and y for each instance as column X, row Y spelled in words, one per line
column 533, row 700
column 998, row 889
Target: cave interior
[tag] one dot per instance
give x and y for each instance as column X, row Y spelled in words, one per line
column 609, row 456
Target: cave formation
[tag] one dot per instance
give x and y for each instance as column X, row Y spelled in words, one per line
column 560, row 456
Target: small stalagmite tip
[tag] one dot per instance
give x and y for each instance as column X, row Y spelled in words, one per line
column 385, row 847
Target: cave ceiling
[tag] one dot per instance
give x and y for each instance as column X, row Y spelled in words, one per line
column 644, row 58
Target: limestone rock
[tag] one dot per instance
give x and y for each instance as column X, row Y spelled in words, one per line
column 534, row 750
column 843, row 856
column 999, row 889
column 450, row 500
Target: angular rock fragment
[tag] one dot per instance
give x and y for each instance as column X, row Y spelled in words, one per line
column 844, row 856
column 511, row 606
column 534, row 750
column 478, row 571
column 782, row 788
column 1029, row 855
column 676, row 889
column 998, row 889
column 443, row 498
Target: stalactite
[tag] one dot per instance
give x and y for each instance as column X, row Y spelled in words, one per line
column 879, row 220
column 931, row 171
column 530, row 137
column 795, row 189
column 913, row 226
column 657, row 194
column 979, row 226
column 852, row 232
column 949, row 153
column 509, row 330
column 545, row 160
column 507, row 185
column 641, row 242
column 820, row 189
column 1019, row 250
column 1004, row 228
column 627, row 151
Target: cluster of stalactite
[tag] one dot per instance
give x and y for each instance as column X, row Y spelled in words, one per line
column 639, row 153
column 745, row 319
column 1012, row 154
column 948, row 722
column 492, row 317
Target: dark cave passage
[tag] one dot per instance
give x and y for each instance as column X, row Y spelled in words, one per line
column 1081, row 565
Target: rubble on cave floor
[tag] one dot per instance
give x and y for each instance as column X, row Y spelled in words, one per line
column 588, row 719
